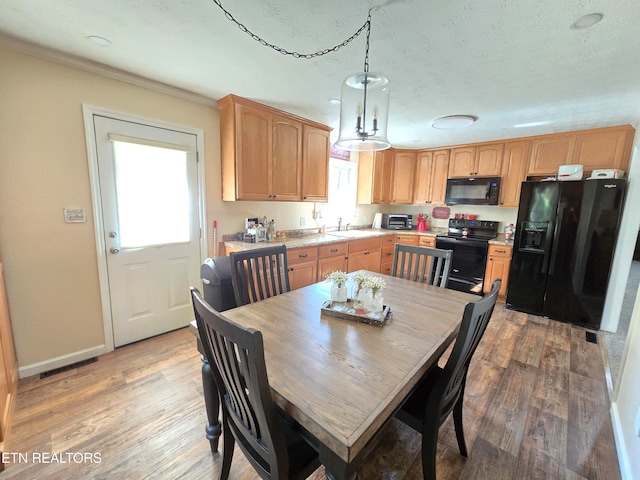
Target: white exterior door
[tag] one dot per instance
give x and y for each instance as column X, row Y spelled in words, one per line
column 150, row 209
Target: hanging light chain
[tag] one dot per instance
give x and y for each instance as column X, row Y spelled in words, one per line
column 366, row 52
column 319, row 53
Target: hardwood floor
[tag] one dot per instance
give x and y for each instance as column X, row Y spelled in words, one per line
column 536, row 406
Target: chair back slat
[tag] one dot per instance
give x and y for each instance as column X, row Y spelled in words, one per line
column 259, row 273
column 422, row 264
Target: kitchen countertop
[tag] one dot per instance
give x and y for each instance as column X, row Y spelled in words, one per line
column 343, row 236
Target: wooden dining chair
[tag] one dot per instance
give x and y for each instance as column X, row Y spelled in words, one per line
column 259, row 273
column 441, row 390
column 274, row 444
column 422, row 264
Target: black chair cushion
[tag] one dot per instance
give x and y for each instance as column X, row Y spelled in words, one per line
column 301, row 454
column 413, row 410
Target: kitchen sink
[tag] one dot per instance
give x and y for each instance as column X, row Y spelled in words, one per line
column 354, row 233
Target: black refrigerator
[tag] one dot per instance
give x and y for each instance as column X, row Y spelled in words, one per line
column 563, row 248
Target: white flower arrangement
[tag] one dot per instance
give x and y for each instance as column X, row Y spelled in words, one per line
column 338, row 277
column 359, row 278
column 374, row 283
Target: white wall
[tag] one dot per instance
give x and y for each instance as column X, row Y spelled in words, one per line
column 626, row 407
column 625, row 246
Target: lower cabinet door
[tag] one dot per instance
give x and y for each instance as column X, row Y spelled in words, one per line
column 497, row 267
column 328, row 265
column 302, row 274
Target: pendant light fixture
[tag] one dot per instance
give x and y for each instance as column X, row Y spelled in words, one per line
column 364, row 108
column 364, row 105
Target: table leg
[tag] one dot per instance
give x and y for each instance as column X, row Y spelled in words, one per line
column 211, row 404
column 335, row 468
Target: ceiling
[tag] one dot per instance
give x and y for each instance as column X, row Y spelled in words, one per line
column 506, row 62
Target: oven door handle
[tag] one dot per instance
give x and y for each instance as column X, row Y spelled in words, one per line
column 464, row 241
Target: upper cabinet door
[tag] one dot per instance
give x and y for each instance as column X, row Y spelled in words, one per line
column 547, row 154
column 287, row 159
column 439, row 176
column 253, row 154
column 404, row 170
column 489, row 160
column 315, row 165
column 382, row 176
column 514, row 172
column 605, row 149
column 422, row 185
column 462, row 162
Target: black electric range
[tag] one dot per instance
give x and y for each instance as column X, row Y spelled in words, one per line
column 469, row 241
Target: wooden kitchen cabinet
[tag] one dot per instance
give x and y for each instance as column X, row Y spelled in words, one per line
column 548, row 153
column 365, row 254
column 602, row 149
column 8, row 366
column 382, row 176
column 498, row 263
column 408, row 239
column 386, row 177
column 432, row 171
column 427, row 241
column 315, row 164
column 404, row 169
column 514, row 172
column 302, row 264
column 375, row 172
column 388, row 249
column 264, row 152
column 331, row 258
column 484, row 160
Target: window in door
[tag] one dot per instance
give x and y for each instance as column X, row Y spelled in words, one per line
column 152, row 194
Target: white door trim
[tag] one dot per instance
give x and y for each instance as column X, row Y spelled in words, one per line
column 88, row 112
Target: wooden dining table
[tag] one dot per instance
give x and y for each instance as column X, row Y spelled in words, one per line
column 343, row 380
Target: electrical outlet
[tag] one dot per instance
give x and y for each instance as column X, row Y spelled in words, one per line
column 365, row 219
column 303, row 221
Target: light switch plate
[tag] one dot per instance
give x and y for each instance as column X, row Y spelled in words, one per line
column 75, row 215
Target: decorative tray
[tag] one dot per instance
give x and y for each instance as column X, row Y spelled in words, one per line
column 348, row 312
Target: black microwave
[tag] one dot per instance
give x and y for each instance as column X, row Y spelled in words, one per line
column 473, row 191
column 396, row 221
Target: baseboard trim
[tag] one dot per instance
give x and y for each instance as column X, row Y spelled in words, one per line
column 64, row 360
column 623, row 456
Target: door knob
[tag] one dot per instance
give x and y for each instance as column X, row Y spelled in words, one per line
column 114, row 250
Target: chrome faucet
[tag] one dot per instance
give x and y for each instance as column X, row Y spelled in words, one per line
column 339, row 223
column 346, row 228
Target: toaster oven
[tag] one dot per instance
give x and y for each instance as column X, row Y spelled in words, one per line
column 396, row 221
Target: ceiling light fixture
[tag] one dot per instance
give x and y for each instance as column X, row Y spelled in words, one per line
column 454, row 121
column 587, row 21
column 364, row 105
column 364, row 108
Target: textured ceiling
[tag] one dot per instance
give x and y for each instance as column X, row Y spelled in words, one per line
column 508, row 62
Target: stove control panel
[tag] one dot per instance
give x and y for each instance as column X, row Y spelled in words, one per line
column 473, row 228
